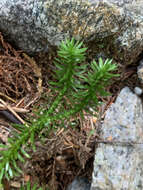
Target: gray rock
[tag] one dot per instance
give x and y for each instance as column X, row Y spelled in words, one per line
column 138, row 91
column 79, row 183
column 36, row 25
column 119, row 166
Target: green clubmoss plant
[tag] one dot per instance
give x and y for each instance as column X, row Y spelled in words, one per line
column 76, row 87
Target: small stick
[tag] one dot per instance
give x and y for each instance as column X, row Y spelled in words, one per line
column 19, row 102
column 1, row 94
column 19, row 110
column 12, row 111
column 32, row 101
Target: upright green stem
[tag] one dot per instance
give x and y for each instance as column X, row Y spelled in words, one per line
column 57, row 100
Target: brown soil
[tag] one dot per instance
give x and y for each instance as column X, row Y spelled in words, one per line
column 68, row 152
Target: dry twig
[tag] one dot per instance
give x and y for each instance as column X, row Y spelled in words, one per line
column 12, row 111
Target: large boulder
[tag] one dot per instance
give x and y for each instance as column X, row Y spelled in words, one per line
column 112, row 26
column 118, row 165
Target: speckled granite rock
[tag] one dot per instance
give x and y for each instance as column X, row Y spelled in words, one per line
column 36, row 25
column 79, row 183
column 120, row 166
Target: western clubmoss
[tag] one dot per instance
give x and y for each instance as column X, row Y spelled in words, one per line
column 73, row 81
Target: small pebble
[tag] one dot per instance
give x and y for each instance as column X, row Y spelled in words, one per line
column 79, row 183
column 138, row 91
